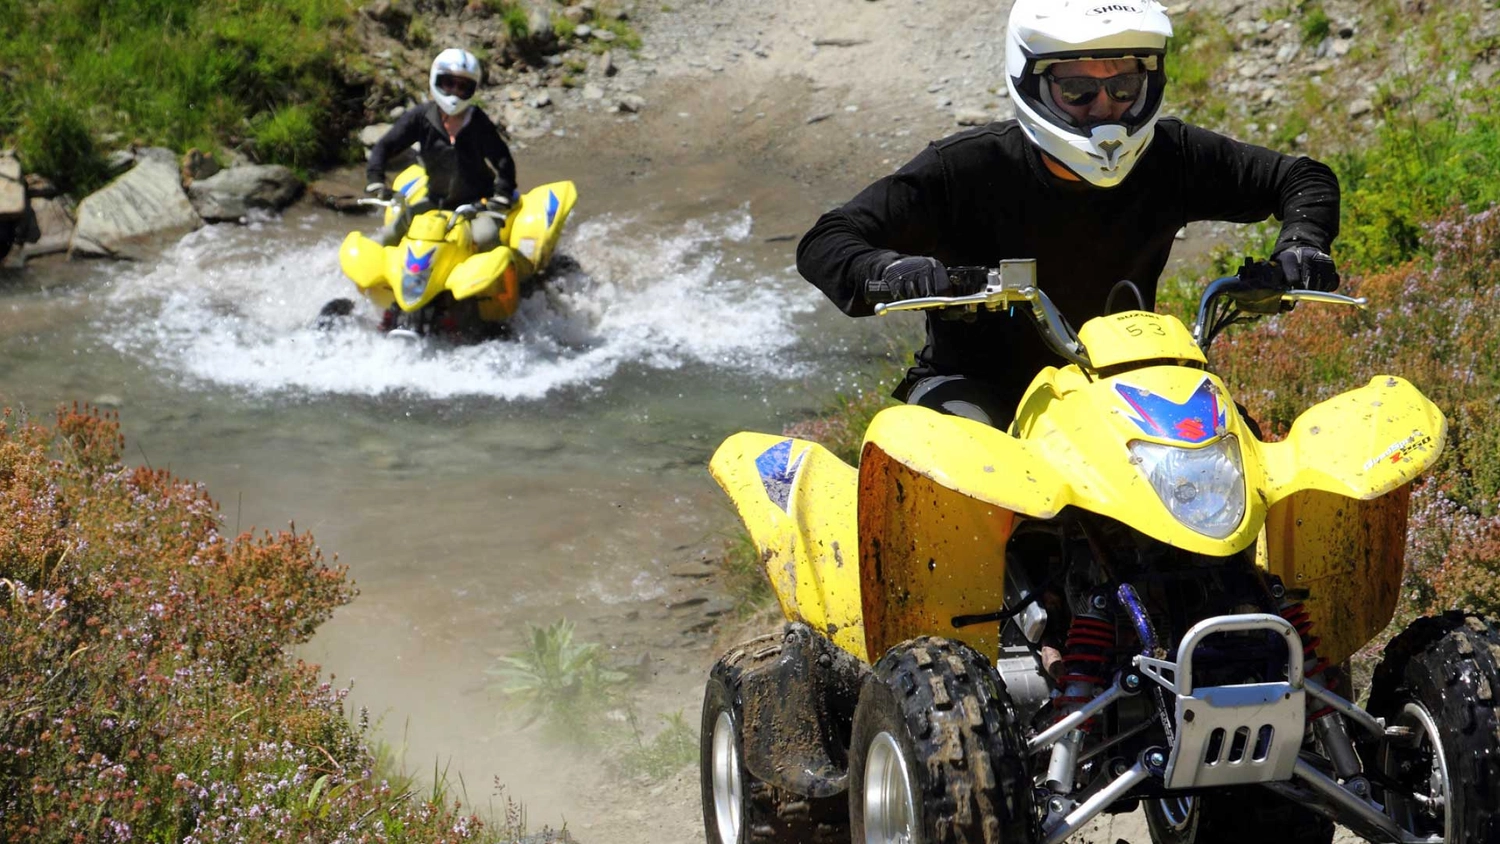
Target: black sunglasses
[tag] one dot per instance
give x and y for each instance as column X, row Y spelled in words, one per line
column 1081, row 90
column 457, row 85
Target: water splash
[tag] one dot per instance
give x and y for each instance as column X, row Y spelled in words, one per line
column 234, row 306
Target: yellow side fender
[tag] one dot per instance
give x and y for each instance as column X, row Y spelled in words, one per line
column 797, row 500
column 535, row 225
column 1340, row 492
column 363, row 261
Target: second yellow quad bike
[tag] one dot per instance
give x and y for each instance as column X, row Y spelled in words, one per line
column 1127, row 598
column 433, row 281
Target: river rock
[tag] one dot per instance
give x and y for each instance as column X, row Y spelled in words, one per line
column 370, row 134
column 972, row 117
column 145, row 203
column 12, row 188
column 230, row 194
column 197, row 164
column 54, row 220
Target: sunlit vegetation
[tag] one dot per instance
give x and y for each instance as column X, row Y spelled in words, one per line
column 145, row 689
column 562, row 682
column 564, row 685
column 177, row 73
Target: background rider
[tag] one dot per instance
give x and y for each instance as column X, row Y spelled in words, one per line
column 462, row 150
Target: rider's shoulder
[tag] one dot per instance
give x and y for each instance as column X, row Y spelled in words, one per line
column 1001, row 132
column 984, row 146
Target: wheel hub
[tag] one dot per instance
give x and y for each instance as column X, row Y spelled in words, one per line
column 890, row 809
column 1424, row 747
column 728, row 790
column 1177, row 811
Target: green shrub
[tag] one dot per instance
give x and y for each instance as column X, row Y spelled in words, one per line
column 1315, row 25
column 54, row 139
column 289, row 136
column 174, row 73
column 145, row 683
column 561, row 681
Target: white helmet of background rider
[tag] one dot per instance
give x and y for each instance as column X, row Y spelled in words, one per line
column 1044, row 32
column 458, row 71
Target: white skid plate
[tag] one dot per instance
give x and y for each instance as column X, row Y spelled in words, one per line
column 1239, row 734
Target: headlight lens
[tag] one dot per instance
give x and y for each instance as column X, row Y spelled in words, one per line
column 1204, row 488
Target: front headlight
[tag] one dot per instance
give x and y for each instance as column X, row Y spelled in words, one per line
column 1204, row 488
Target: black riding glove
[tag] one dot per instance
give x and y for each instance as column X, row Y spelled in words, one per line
column 910, row 277
column 503, row 193
column 379, row 190
column 1308, row 267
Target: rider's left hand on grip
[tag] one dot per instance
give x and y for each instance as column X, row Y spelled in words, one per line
column 1307, row 268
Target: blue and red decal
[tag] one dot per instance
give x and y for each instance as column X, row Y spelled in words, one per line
column 1196, row 420
column 778, row 472
column 418, row 265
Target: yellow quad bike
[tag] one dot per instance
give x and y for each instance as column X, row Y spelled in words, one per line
column 1128, row 597
column 434, row 281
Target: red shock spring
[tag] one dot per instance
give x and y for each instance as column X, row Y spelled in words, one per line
column 1313, row 665
column 1088, row 645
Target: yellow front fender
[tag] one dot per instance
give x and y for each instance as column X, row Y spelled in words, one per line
column 493, row 278
column 363, row 261
column 1339, row 488
column 1363, row 443
column 797, row 500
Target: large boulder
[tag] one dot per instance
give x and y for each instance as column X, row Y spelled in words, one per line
column 230, row 194
column 130, row 216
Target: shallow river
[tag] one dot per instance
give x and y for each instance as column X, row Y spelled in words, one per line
column 469, row 490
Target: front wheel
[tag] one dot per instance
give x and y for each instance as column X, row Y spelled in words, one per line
column 937, row 754
column 738, row 808
column 1439, row 681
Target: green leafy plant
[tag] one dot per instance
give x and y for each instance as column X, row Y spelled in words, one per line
column 1316, row 25
column 289, row 135
column 560, row 680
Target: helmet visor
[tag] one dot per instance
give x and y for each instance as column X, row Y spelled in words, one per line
column 456, row 86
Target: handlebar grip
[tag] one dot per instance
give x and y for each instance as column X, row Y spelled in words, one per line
column 1263, row 274
column 878, row 291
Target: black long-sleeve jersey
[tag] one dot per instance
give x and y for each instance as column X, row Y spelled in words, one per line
column 461, row 171
column 985, row 195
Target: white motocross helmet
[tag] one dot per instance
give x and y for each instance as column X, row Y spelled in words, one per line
column 458, row 71
column 1045, row 32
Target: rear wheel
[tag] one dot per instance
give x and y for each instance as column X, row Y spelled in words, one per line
column 1249, row 815
column 739, row 808
column 1439, row 680
column 937, row 754
column 7, row 237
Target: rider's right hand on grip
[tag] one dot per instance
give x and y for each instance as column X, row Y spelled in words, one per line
column 908, row 277
column 379, row 191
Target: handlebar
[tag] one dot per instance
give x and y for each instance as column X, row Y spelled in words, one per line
column 1259, row 289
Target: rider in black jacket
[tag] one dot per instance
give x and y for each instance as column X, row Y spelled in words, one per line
column 465, row 157
column 1086, row 181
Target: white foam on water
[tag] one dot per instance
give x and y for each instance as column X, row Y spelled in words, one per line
column 235, row 306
